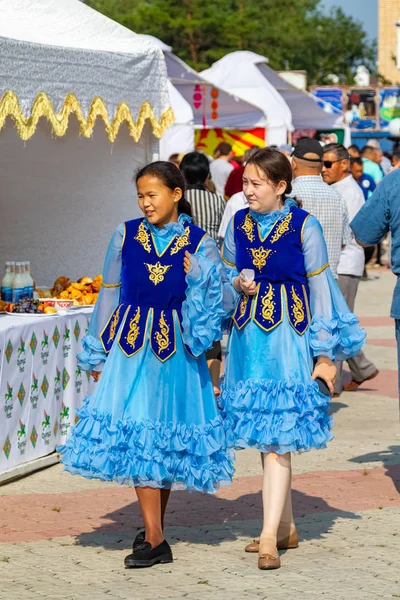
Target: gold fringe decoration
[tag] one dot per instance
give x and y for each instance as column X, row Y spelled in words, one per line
column 42, row 107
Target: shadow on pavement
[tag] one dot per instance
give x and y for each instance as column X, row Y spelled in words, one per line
column 189, row 515
column 390, row 459
column 336, row 406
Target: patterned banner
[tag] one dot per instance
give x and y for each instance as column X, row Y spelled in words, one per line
column 207, row 140
column 40, row 384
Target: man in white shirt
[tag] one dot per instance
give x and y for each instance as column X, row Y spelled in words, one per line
column 319, row 199
column 336, row 172
column 221, row 168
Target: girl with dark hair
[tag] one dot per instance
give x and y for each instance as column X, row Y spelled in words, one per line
column 290, row 324
column 152, row 421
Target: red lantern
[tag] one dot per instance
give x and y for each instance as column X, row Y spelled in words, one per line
column 214, row 93
column 197, row 96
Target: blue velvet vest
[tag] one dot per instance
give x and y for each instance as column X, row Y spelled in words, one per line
column 278, row 262
column 153, row 287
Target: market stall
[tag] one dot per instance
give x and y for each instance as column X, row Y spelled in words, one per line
column 83, row 104
column 40, row 384
column 66, row 178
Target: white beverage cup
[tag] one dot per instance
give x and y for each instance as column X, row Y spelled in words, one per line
column 248, row 274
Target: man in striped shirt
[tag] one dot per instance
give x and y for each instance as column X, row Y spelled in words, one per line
column 207, row 207
column 319, row 199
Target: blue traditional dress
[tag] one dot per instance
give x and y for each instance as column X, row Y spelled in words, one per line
column 153, row 419
column 268, row 396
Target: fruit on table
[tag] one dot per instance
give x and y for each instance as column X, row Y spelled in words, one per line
column 26, row 306
column 50, row 310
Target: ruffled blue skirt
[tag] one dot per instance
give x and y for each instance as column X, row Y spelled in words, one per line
column 269, row 399
column 153, row 424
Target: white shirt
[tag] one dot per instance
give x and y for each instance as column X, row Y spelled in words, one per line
column 352, row 257
column 220, row 170
column 328, row 206
column 235, row 203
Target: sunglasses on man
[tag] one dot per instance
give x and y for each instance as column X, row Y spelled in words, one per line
column 328, row 163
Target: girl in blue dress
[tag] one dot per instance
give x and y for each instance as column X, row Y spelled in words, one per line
column 291, row 322
column 152, row 421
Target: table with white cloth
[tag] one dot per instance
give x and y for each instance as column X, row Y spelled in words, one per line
column 41, row 385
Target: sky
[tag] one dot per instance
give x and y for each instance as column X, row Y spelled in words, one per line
column 365, row 11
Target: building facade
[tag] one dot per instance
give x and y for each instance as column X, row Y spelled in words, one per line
column 388, row 40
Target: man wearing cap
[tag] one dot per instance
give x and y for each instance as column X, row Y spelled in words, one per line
column 319, row 199
column 336, row 173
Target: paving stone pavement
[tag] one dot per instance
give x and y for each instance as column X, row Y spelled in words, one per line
column 65, row 537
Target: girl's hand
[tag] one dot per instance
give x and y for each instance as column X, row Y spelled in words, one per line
column 186, row 262
column 96, row 375
column 247, row 287
column 326, row 370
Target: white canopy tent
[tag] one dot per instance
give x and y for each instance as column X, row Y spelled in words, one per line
column 61, row 195
column 306, row 114
column 238, row 73
column 233, row 112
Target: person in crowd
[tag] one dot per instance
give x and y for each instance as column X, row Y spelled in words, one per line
column 395, row 159
column 174, row 159
column 368, row 186
column 207, row 210
column 234, row 182
column 382, row 159
column 336, row 172
column 290, row 323
column 152, row 421
column 354, row 151
column 366, row 183
column 237, row 200
column 371, row 159
column 319, row 199
column 379, row 215
column 221, row 167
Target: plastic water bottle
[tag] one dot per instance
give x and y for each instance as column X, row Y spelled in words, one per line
column 18, row 283
column 29, row 286
column 7, row 283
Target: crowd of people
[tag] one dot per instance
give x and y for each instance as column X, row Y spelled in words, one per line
column 276, row 267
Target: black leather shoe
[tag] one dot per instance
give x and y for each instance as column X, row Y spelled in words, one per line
column 147, row 556
column 139, row 539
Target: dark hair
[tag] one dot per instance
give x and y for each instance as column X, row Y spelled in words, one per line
column 195, row 168
column 174, row 158
column 224, row 149
column 355, row 160
column 275, row 166
column 367, row 149
column 354, row 147
column 171, row 177
column 339, row 151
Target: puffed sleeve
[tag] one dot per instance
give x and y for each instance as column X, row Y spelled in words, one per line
column 229, row 252
column 334, row 329
column 93, row 357
column 210, row 298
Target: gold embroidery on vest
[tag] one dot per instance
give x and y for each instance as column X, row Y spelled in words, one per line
column 268, row 305
column 298, row 308
column 143, row 237
column 162, row 336
column 157, row 272
column 260, row 256
column 243, row 306
column 248, row 227
column 134, row 329
column 114, row 324
column 282, row 228
column 181, row 242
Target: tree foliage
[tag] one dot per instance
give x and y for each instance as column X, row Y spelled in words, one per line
column 292, row 34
